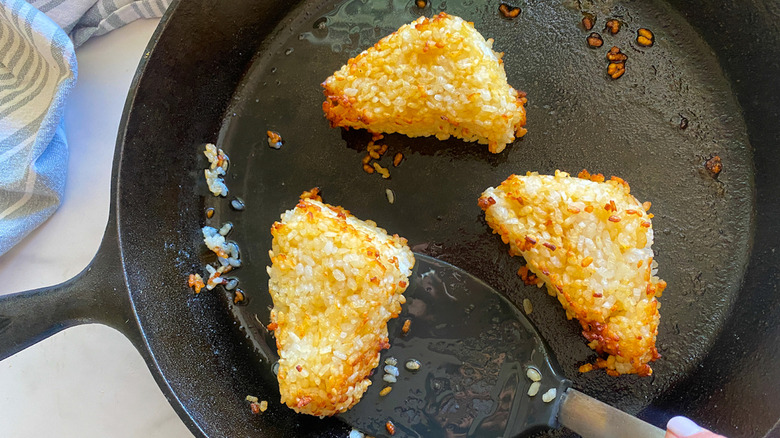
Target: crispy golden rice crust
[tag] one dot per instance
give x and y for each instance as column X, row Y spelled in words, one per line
column 589, row 241
column 335, row 282
column 435, row 76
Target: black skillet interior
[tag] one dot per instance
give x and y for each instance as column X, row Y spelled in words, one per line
column 578, row 118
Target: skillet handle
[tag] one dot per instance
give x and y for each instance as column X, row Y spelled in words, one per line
column 593, row 419
column 96, row 295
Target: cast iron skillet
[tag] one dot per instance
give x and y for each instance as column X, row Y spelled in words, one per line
column 714, row 65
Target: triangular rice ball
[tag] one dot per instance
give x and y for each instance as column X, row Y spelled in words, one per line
column 434, row 76
column 589, row 241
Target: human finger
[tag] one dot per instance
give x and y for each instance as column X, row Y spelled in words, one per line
column 682, row 427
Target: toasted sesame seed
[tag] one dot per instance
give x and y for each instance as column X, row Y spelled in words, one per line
column 386, row 390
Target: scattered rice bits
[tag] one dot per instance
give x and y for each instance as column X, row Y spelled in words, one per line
column 590, row 241
column 435, row 76
column 335, row 282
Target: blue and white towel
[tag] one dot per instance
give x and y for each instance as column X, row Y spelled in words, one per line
column 37, row 71
column 82, row 19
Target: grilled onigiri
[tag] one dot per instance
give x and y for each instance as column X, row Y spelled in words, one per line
column 335, row 282
column 435, row 76
column 589, row 240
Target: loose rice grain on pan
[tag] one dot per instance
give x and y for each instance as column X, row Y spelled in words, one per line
column 549, row 396
column 219, row 161
column 227, row 255
column 533, row 374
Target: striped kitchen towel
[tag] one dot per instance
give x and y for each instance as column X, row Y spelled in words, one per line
column 37, row 71
column 82, row 19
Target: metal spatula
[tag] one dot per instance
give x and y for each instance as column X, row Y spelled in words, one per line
column 474, row 350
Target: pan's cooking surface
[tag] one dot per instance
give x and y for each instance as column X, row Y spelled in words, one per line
column 578, row 118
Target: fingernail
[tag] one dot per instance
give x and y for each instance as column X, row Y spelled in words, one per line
column 683, row 427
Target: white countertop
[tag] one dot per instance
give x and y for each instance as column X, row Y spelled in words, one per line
column 86, row 381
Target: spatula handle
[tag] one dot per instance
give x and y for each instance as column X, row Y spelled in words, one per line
column 593, row 419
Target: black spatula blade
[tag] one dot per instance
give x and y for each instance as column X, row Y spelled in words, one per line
column 474, row 348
